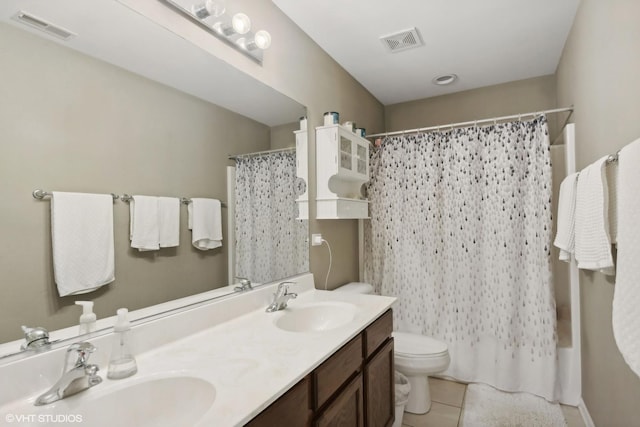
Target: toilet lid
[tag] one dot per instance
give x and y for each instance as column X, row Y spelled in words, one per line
column 417, row 345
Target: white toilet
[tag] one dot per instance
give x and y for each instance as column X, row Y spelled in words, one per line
column 416, row 356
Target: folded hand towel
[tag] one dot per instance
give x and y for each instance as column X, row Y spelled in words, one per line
column 626, row 294
column 593, row 245
column 205, row 221
column 82, row 238
column 144, row 230
column 169, row 221
column 565, row 235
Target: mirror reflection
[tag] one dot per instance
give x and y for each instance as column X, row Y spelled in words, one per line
column 74, row 122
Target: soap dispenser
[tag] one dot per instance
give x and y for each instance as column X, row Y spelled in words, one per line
column 87, row 318
column 122, row 364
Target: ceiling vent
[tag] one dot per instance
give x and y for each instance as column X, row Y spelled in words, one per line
column 407, row 39
column 42, row 25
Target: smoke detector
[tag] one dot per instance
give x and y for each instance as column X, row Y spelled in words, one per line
column 42, row 25
column 403, row 40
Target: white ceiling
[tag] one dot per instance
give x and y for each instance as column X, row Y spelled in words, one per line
column 484, row 42
column 110, row 31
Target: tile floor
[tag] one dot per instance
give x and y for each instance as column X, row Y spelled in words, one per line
column 447, row 405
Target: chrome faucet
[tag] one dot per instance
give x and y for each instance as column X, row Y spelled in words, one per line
column 76, row 378
column 245, row 285
column 35, row 339
column 281, row 297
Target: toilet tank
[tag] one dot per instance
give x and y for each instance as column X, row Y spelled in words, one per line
column 355, row 288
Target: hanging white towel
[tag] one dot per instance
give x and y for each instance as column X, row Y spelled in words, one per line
column 169, row 221
column 593, row 245
column 205, row 222
column 626, row 297
column 82, row 238
column 143, row 223
column 565, row 235
column 612, row 185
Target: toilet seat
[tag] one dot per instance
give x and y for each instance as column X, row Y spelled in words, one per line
column 409, row 345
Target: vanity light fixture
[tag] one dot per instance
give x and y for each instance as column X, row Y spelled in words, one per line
column 214, row 17
column 213, row 8
column 262, row 40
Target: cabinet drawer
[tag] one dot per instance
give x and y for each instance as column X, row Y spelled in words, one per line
column 334, row 372
column 377, row 333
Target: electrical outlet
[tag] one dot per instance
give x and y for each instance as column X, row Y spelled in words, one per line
column 316, row 239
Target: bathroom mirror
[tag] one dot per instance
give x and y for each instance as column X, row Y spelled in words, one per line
column 121, row 106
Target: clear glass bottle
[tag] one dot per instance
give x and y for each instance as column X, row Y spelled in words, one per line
column 122, row 363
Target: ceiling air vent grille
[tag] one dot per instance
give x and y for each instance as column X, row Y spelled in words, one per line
column 407, row 39
column 42, row 25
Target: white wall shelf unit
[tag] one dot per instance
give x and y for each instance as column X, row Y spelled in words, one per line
column 342, row 167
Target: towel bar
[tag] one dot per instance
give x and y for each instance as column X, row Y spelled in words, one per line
column 184, row 200
column 41, row 194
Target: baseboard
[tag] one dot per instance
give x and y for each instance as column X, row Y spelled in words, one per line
column 584, row 412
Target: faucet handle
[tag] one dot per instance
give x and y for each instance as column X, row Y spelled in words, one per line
column 35, row 338
column 82, row 350
column 245, row 284
column 283, row 288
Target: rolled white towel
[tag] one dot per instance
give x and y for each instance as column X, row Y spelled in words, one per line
column 205, row 222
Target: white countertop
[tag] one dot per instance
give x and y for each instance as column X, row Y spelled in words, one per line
column 248, row 360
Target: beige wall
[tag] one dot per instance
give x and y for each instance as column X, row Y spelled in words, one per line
column 492, row 101
column 72, row 123
column 598, row 73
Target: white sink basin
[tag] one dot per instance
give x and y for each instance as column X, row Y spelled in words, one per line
column 157, row 402
column 316, row 317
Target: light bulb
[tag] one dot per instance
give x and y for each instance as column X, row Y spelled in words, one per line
column 241, row 23
column 209, row 8
column 262, row 39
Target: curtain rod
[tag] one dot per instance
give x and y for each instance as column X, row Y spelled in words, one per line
column 261, row 153
column 474, row 122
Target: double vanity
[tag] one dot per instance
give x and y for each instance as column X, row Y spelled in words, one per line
column 326, row 358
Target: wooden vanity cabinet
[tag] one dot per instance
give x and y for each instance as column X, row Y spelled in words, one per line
column 352, row 388
column 292, row 409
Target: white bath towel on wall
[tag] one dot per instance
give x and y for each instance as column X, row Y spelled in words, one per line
column 144, row 229
column 82, row 239
column 565, row 236
column 169, row 221
column 612, row 185
column 593, row 244
column 626, row 298
column 205, row 223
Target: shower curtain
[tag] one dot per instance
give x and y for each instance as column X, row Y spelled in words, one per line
column 270, row 242
column 460, row 233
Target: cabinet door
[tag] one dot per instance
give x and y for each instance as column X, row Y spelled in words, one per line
column 291, row 410
column 346, row 410
column 379, row 388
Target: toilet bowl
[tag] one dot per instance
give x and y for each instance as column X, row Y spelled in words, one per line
column 416, row 356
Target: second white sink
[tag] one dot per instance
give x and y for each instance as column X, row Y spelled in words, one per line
column 316, row 317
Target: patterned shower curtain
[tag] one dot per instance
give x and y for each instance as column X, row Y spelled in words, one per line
column 460, row 233
column 270, row 243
